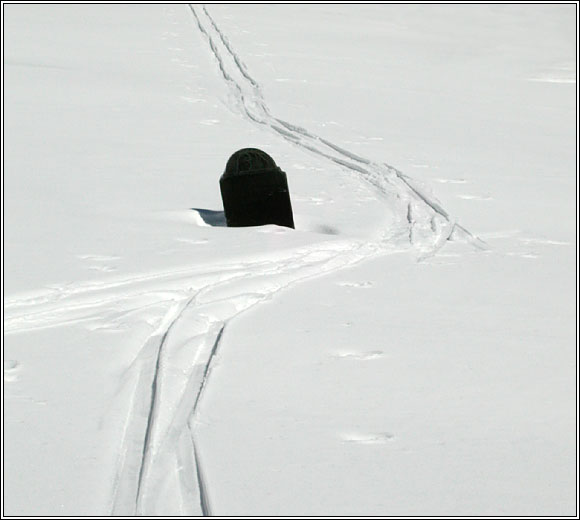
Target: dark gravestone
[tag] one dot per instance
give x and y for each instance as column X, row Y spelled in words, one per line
column 255, row 191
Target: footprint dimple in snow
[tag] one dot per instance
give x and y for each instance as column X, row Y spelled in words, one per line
column 560, row 73
column 190, row 99
column 99, row 262
column 356, row 285
column 192, row 240
column 11, row 369
column 451, row 181
column 548, row 79
column 524, row 255
column 209, row 122
column 106, row 327
column 10, row 364
column 98, row 258
column 544, row 241
column 474, row 197
column 327, row 230
column 506, row 233
column 28, row 400
column 103, row 268
column 368, row 438
column 360, row 356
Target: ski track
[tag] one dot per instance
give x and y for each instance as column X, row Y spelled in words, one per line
column 182, row 350
column 386, row 179
column 159, row 469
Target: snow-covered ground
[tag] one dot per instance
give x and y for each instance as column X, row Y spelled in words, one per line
column 409, row 349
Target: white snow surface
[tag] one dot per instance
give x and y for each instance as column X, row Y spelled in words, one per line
column 408, row 349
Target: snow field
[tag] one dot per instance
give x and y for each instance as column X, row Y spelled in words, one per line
column 430, row 371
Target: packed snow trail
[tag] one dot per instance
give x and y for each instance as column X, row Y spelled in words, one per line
column 432, row 226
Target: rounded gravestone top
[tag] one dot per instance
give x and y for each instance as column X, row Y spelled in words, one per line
column 249, row 160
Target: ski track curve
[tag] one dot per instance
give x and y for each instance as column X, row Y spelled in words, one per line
column 159, row 469
column 386, row 179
